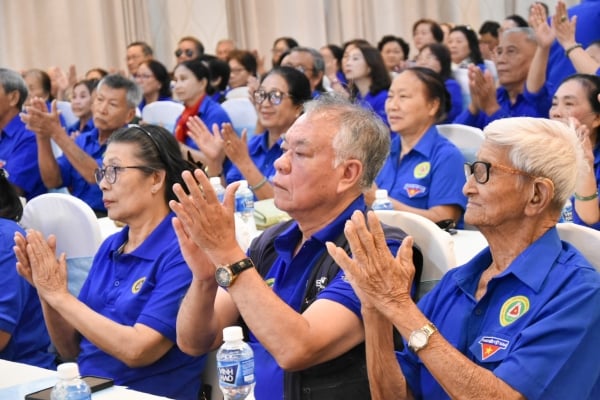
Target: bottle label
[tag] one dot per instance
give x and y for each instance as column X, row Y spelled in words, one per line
column 244, row 203
column 233, row 373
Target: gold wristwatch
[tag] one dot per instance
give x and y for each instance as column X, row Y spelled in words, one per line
column 226, row 274
column 420, row 338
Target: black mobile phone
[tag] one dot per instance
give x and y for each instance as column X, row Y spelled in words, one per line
column 96, row 383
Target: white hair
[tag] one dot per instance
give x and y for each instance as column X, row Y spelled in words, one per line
column 543, row 148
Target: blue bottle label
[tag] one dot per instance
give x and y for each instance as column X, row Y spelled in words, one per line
column 244, row 203
column 233, row 373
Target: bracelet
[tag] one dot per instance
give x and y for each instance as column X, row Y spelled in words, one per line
column 258, row 185
column 570, row 49
column 586, row 198
column 212, row 176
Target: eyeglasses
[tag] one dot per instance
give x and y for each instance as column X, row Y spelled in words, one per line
column 188, row 52
column 110, row 172
column 300, row 68
column 275, row 96
column 143, row 76
column 481, row 171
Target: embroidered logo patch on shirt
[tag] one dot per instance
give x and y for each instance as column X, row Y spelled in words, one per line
column 413, row 189
column 270, row 282
column 422, row 170
column 490, row 345
column 137, row 285
column 513, row 309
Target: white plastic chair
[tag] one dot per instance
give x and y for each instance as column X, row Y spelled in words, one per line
column 75, row 226
column 163, row 113
column 436, row 244
column 66, row 111
column 586, row 240
column 242, row 113
column 467, row 138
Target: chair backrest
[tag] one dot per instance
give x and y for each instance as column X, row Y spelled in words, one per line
column 163, row 113
column 242, row 114
column 467, row 138
column 436, row 244
column 66, row 111
column 586, row 240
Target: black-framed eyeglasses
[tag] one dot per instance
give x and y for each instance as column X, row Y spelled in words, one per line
column 188, row 53
column 274, row 96
column 109, row 173
column 481, row 171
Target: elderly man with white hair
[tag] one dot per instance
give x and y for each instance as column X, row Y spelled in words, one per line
column 522, row 318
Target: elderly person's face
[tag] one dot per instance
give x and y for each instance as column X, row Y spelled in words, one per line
column 81, row 101
column 502, row 197
column 186, row 50
column 145, row 78
column 458, row 46
column 306, row 180
column 408, row 109
column 422, row 35
column 571, row 100
column 135, row 56
column 304, row 63
column 239, row 75
column 276, row 117
column 513, row 58
column 393, row 56
column 428, row 60
column 188, row 88
column 131, row 192
column 110, row 108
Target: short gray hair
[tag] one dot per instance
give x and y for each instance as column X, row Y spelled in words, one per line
column 362, row 135
column 318, row 61
column 529, row 33
column 116, row 81
column 11, row 81
column 541, row 147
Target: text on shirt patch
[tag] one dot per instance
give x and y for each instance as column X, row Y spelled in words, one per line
column 137, row 285
column 490, row 346
column 320, row 283
column 513, row 309
column 422, row 170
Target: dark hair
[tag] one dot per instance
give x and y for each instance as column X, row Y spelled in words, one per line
column 472, row 40
column 118, row 81
column 44, row 79
column 161, row 75
column 197, row 43
column 435, row 89
column 158, row 150
column 100, row 71
column 491, row 27
column 298, row 84
column 245, row 58
column 441, row 52
column 290, row 44
column 197, row 67
column 218, row 69
column 90, row 84
column 337, row 52
column 380, row 78
column 434, row 27
column 391, row 38
column 11, row 81
column 146, row 49
column 517, row 19
column 10, row 203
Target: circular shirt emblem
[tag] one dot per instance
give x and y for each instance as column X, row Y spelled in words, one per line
column 513, row 309
column 422, row 170
column 137, row 285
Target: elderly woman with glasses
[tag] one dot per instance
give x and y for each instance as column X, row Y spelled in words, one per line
column 278, row 100
column 521, row 319
column 123, row 324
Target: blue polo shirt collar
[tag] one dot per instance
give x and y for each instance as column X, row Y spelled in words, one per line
column 13, row 126
column 262, row 146
column 424, row 145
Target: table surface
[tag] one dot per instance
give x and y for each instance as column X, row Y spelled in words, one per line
column 17, row 380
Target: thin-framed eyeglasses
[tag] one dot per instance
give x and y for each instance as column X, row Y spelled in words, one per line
column 274, row 96
column 109, row 173
column 481, row 171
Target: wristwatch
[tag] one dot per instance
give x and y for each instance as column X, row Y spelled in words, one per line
column 420, row 338
column 226, row 274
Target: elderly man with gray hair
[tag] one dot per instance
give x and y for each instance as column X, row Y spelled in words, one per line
column 514, row 98
column 521, row 319
column 310, row 62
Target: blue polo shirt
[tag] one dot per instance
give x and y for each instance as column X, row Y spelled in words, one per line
column 71, row 178
column 20, row 310
column 537, row 328
column 289, row 275
column 527, row 105
column 18, row 155
column 576, row 217
column 86, row 128
column 456, row 102
column 146, row 287
column 210, row 112
column 262, row 156
column 431, row 174
column 375, row 102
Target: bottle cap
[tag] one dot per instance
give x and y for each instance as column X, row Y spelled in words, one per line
column 232, row 333
column 381, row 194
column 68, row 370
column 243, row 184
column 215, row 180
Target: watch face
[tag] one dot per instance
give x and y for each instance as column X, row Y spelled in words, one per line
column 419, row 339
column 223, row 276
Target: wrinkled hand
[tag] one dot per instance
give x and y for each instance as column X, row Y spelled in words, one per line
column 537, row 20
column 483, row 90
column 59, row 77
column 210, row 144
column 196, row 259
column 564, row 28
column 583, row 134
column 23, row 265
column 37, row 118
column 236, row 148
column 379, row 279
column 203, row 220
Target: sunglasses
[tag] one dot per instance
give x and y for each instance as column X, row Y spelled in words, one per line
column 187, row 52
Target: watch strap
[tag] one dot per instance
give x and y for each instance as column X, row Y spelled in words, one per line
column 242, row 265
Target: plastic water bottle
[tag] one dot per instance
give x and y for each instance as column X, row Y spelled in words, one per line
column 235, row 363
column 566, row 215
column 215, row 182
column 382, row 202
column 244, row 202
column 70, row 386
